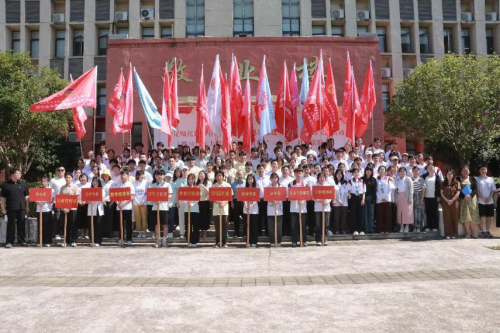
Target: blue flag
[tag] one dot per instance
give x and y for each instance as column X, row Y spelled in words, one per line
column 304, row 89
column 264, row 101
column 150, row 109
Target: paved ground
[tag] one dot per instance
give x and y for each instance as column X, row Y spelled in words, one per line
column 351, row 286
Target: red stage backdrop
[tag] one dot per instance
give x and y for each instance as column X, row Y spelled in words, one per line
column 149, row 58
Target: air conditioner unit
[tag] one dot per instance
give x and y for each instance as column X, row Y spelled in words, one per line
column 72, row 137
column 147, row 14
column 386, row 73
column 466, row 17
column 337, row 14
column 407, row 72
column 121, row 16
column 363, row 14
column 491, row 16
column 57, row 18
column 100, row 136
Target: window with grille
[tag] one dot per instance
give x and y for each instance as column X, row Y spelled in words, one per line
column 489, row 41
column 291, row 17
column 448, row 40
column 386, row 98
column 243, row 18
column 195, row 18
column 101, row 99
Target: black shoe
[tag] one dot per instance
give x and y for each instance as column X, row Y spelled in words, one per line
column 488, row 234
column 24, row 244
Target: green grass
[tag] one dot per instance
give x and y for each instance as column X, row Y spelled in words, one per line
column 494, row 247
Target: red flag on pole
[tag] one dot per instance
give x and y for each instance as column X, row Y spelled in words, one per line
column 367, row 102
column 353, row 111
column 115, row 104
column 283, row 108
column 202, row 126
column 236, row 99
column 175, row 102
column 166, row 106
column 246, row 114
column 128, row 100
column 346, row 107
column 79, row 117
column 81, row 92
column 295, row 94
column 331, row 108
column 312, row 107
column 226, row 116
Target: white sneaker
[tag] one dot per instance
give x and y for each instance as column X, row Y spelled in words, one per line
column 97, row 245
column 129, row 243
column 448, row 237
column 73, row 244
column 318, row 243
column 86, row 237
column 355, row 233
column 402, row 229
column 253, row 245
column 453, row 237
column 170, row 235
column 427, row 230
column 164, row 243
column 119, row 243
column 155, row 245
column 329, row 233
column 153, row 235
column 47, row 245
column 407, row 229
column 58, row 237
column 192, row 245
column 362, row 233
column 434, row 230
column 177, row 228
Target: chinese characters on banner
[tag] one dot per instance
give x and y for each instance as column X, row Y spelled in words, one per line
column 188, row 194
column 120, row 194
column 299, row 193
column 323, row 193
column 157, row 194
column 40, row 195
column 91, row 194
column 220, row 194
column 66, row 201
column 248, row 194
column 275, row 194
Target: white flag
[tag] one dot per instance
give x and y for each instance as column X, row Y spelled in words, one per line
column 214, row 100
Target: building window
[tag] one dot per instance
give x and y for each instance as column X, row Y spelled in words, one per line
column 137, row 132
column 382, row 39
column 243, row 18
column 148, row 33
column 103, row 42
column 405, row 40
column 16, row 41
column 166, row 32
column 195, row 18
column 101, row 99
column 78, row 43
column 386, row 98
column 337, row 31
column 122, row 31
column 318, row 30
column 291, row 17
column 60, row 43
column 424, row 40
column 465, row 41
column 35, row 44
column 448, row 40
column 362, row 30
column 489, row 41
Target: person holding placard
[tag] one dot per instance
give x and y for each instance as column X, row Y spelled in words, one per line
column 96, row 209
column 46, row 208
column 340, row 204
column 125, row 206
column 194, row 210
column 221, row 208
column 163, row 205
column 81, row 214
column 252, row 208
column 275, row 208
column 321, row 206
column 70, row 189
column 297, row 207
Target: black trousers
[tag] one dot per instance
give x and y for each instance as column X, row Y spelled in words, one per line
column 356, row 214
column 311, row 217
column 194, row 237
column 286, row 219
column 46, row 227
column 127, row 223
column 98, row 225
column 204, row 215
column 295, row 227
column 71, row 227
column 237, row 216
column 151, row 219
column 319, row 225
column 217, row 229
column 57, row 222
column 431, row 210
column 16, row 217
column 339, row 218
column 262, row 216
column 254, row 228
column 107, row 220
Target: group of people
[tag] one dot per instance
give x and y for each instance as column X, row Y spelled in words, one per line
column 377, row 190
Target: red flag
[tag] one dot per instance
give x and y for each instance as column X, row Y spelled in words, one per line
column 331, row 108
column 347, row 90
column 367, row 102
column 295, row 95
column 226, row 116
column 79, row 117
column 353, row 110
column 261, row 78
column 128, row 101
column 202, row 126
column 236, row 99
column 166, row 106
column 246, row 115
column 175, row 119
column 312, row 107
column 283, row 108
column 81, row 92
column 115, row 104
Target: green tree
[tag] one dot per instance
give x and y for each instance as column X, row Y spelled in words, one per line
column 25, row 136
column 452, row 102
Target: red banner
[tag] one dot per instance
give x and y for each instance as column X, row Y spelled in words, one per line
column 91, row 194
column 120, row 194
column 275, row 193
column 299, row 193
column 66, row 201
column 220, row 194
column 188, row 194
column 156, row 194
column 40, row 194
column 248, row 194
column 323, row 192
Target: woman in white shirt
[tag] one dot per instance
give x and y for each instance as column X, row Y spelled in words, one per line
column 321, row 206
column 109, row 207
column 46, row 208
column 383, row 207
column 81, row 215
column 252, row 208
column 204, row 205
column 125, row 206
column 275, row 208
column 194, row 210
column 404, row 190
column 340, row 203
column 96, row 209
column 432, row 193
column 140, row 203
column 298, row 207
column 357, row 189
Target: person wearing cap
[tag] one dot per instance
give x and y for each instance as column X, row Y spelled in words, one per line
column 405, row 160
column 394, row 160
column 126, row 206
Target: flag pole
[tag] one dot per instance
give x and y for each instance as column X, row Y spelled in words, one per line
column 372, row 110
column 150, row 138
column 352, row 108
column 94, row 113
column 284, row 101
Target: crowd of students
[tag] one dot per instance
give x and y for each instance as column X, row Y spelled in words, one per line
column 377, row 190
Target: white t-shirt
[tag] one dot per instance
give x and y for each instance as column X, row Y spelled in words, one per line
column 140, row 192
column 56, row 183
column 272, row 208
column 128, row 205
column 430, row 186
column 485, row 185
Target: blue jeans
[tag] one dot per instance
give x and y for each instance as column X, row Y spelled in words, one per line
column 369, row 213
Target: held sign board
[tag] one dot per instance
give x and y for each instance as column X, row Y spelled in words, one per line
column 323, row 193
column 220, row 194
column 275, row 193
column 66, row 201
column 157, row 194
column 248, row 194
column 120, row 194
column 188, row 194
column 91, row 194
column 40, row 195
column 299, row 193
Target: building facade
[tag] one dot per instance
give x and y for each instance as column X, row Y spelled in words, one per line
column 72, row 35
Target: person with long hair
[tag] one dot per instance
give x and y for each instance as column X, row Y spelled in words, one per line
column 298, row 207
column 195, row 212
column 274, row 208
column 340, row 204
column 221, row 208
column 450, row 191
column 81, row 215
column 469, row 212
column 404, row 195
column 96, row 209
column 419, row 216
column 251, row 208
column 46, row 209
column 370, row 198
column 383, row 206
column 109, row 207
column 321, row 206
column 204, row 205
column 432, row 193
column 356, row 200
column 72, row 229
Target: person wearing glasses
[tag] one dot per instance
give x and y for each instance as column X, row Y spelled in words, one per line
column 56, row 183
